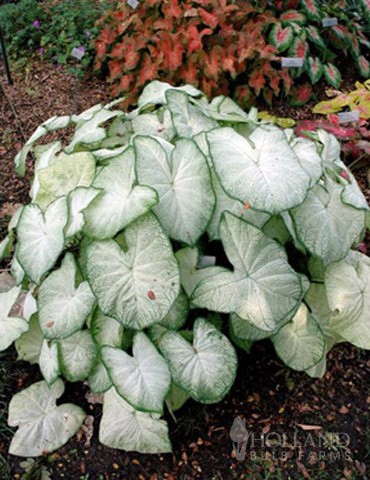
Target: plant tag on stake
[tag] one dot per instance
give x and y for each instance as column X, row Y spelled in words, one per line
column 345, row 117
column 292, row 62
column 133, row 3
column 329, row 22
column 77, row 53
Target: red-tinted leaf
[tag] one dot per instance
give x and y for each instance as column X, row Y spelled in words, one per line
column 300, row 95
column 208, row 18
column 148, row 70
column 257, row 80
column 171, row 9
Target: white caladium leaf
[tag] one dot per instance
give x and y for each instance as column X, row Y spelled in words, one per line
column 128, row 429
column 90, row 131
column 154, row 93
column 99, row 380
column 16, row 269
column 348, row 292
column 11, row 328
column 48, row 361
column 43, row 426
column 54, row 123
column 225, row 110
column 137, row 286
column 268, row 176
column 29, row 345
column 307, row 153
column 187, row 119
column 63, row 307
column 143, row 379
column 151, row 124
column 106, row 330
column 183, row 183
column 263, row 288
column 78, row 200
column 244, row 331
column 205, row 370
column 325, row 225
column 178, row 313
column 40, row 237
column 65, row 174
column 176, row 398
column 190, row 275
column 300, row 343
column 77, row 355
column 45, row 155
column 331, row 148
column 121, row 201
column 226, row 203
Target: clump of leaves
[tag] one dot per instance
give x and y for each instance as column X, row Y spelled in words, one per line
column 212, row 45
column 299, row 32
column 355, row 137
column 51, row 30
column 160, row 241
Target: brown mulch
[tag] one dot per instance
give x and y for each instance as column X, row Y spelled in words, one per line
column 273, row 400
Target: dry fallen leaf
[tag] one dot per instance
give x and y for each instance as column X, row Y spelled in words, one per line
column 309, row 427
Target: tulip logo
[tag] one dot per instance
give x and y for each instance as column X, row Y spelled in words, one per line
column 239, row 435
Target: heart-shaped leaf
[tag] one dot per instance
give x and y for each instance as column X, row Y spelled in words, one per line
column 43, row 426
column 143, row 380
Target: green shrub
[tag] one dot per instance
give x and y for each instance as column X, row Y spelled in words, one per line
column 115, row 257
column 51, row 29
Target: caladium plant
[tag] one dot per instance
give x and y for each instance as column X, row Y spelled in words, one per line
column 121, row 254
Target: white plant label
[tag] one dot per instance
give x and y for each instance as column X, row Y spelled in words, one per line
column 133, row 3
column 292, row 62
column 206, row 261
column 77, row 53
column 330, row 22
column 345, row 117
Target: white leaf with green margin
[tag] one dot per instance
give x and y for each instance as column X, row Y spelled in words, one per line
column 78, row 200
column 300, row 343
column 325, row 225
column 205, row 370
column 63, row 306
column 11, row 328
column 348, row 292
column 331, row 148
column 190, row 275
column 54, row 123
column 307, row 153
column 6, row 246
column 106, row 330
column 245, row 331
column 143, row 379
column 137, row 286
column 48, row 361
column 176, row 398
column 77, row 355
column 121, row 200
column 66, row 173
column 99, row 380
column 127, row 429
column 40, row 237
column 187, row 119
column 16, row 269
column 45, row 155
column 263, row 288
column 43, row 426
column 90, row 131
column 176, row 317
column 154, row 93
column 317, row 301
column 183, row 183
column 226, row 203
column 29, row 345
column 269, row 176
column 150, row 124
